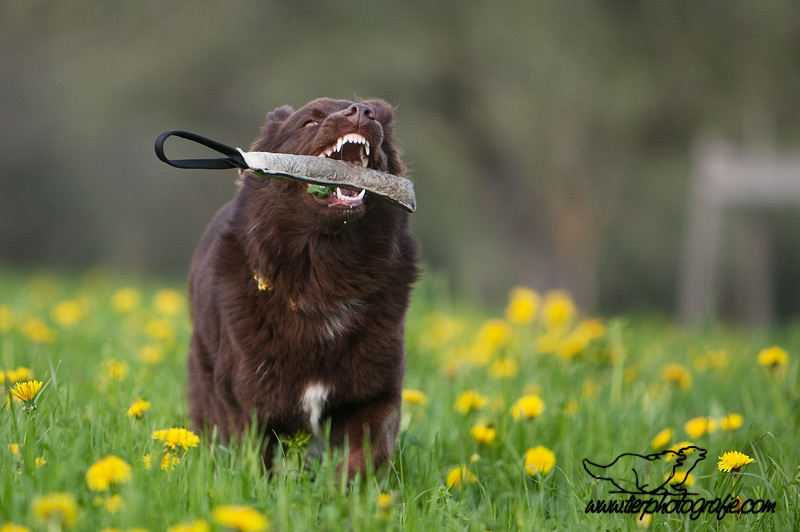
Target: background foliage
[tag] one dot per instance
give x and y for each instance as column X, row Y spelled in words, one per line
column 550, row 142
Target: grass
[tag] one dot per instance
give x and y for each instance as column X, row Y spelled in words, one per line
column 604, row 385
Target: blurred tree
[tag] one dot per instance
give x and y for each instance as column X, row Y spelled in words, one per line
column 550, row 142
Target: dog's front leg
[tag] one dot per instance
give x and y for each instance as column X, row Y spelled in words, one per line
column 376, row 422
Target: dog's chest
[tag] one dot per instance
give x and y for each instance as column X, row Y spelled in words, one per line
column 312, row 404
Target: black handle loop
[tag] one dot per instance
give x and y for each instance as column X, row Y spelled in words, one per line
column 234, row 159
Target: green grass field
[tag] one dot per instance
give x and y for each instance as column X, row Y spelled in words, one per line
column 483, row 388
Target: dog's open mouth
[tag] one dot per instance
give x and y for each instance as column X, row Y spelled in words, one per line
column 352, row 148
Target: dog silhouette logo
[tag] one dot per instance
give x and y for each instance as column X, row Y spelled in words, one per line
column 636, row 474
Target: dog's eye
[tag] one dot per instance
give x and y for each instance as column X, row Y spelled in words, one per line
column 310, row 123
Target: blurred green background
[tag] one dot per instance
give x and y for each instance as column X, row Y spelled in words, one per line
column 550, row 142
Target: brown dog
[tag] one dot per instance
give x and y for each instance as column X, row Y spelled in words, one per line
column 298, row 299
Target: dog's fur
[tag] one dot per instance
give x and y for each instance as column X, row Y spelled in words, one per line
column 298, row 302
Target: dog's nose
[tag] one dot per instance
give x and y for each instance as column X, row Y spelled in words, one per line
column 359, row 113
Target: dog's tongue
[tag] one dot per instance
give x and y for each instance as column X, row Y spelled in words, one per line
column 338, row 196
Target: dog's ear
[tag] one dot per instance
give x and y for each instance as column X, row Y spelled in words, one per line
column 280, row 114
column 268, row 137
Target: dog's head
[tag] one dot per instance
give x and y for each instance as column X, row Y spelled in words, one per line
column 357, row 133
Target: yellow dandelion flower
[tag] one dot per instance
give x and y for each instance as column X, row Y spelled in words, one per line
column 731, row 422
column 680, row 477
column 733, row 461
column 137, row 409
column 494, row 333
column 115, row 369
column 168, row 302
column 68, row 313
column 522, row 305
column 662, row 439
column 7, row 318
column 773, row 357
column 241, row 518
column 558, row 310
column 677, row 374
column 590, row 329
column 687, row 445
column 440, row 330
column 385, row 503
column 177, row 437
column 58, row 509
column 414, row 397
column 571, row 407
column 40, row 461
column 14, row 448
column 698, row 426
column 527, row 407
column 125, row 300
column 160, row 330
column 169, row 461
column 549, row 342
column 11, row 527
column 469, row 400
column 483, row 433
column 571, row 346
column 590, row 388
column 644, row 520
column 106, row 472
column 15, row 375
column 198, row 525
column 113, row 503
column 716, row 359
column 38, row 331
column 474, row 458
column 504, row 368
column 539, row 460
column 26, row 392
column 459, row 476
column 151, row 354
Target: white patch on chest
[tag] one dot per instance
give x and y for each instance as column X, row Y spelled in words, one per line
column 313, row 402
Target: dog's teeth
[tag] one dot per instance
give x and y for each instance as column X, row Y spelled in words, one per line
column 339, row 194
column 361, row 194
column 364, row 160
column 366, row 146
column 339, row 144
